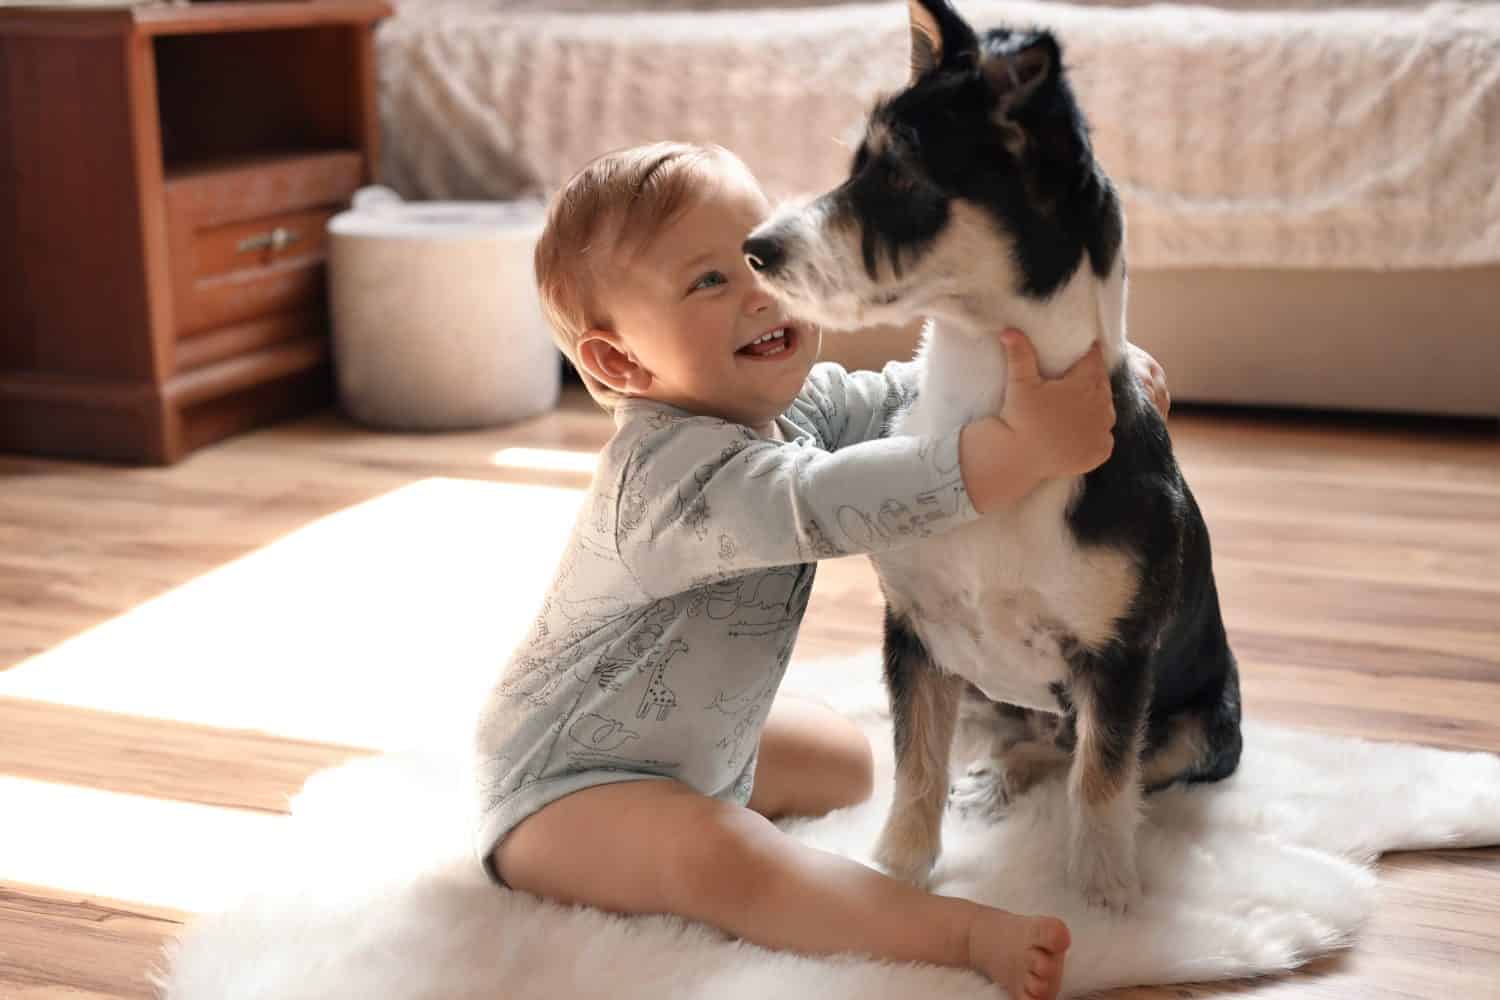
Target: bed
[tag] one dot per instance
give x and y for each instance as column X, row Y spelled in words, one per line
column 1312, row 196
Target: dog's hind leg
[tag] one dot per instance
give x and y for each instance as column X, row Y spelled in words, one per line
column 989, row 785
column 1003, row 749
column 1176, row 754
column 1111, row 695
column 924, row 707
column 1196, row 743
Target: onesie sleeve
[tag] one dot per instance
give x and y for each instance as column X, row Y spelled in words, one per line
column 702, row 500
column 849, row 407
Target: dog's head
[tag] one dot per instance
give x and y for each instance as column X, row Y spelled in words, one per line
column 974, row 183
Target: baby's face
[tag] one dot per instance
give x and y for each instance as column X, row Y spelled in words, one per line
column 689, row 310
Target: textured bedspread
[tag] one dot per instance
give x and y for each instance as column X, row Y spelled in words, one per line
column 1356, row 138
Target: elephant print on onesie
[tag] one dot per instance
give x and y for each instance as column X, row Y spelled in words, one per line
column 759, row 604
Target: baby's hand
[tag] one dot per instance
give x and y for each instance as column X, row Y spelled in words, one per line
column 1047, row 429
column 1063, row 424
column 1152, row 377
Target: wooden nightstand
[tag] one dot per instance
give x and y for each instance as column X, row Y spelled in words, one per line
column 165, row 176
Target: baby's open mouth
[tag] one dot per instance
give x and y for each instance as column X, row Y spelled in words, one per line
column 768, row 345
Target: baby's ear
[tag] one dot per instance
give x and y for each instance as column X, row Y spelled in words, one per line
column 603, row 354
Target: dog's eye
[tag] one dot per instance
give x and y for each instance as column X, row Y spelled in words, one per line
column 900, row 181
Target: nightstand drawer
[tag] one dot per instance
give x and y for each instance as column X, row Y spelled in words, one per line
column 248, row 269
column 261, row 243
column 248, row 238
column 250, row 187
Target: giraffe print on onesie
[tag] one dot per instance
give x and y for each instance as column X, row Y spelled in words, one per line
column 658, row 697
column 666, row 631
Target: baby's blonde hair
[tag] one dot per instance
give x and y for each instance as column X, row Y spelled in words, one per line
column 624, row 196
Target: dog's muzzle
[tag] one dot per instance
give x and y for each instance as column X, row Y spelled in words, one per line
column 764, row 254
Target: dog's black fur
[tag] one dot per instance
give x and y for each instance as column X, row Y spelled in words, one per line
column 1171, row 651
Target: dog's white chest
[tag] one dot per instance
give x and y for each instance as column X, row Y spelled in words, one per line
column 1002, row 601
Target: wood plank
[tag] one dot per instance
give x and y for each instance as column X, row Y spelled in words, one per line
column 160, row 758
column 55, row 945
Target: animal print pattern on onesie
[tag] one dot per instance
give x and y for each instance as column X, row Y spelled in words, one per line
column 660, row 645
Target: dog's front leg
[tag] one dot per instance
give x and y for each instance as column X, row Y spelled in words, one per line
column 1111, row 693
column 924, row 706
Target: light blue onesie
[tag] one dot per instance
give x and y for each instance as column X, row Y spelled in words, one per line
column 670, row 622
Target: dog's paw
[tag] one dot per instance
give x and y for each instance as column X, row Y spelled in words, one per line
column 981, row 793
column 1106, row 875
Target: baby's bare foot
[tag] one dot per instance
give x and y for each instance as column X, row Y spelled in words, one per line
column 1023, row 954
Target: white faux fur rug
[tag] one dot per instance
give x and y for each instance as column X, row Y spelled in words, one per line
column 373, row 891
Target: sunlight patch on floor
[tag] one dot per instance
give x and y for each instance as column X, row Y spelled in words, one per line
column 545, row 459
column 129, row 848
column 377, row 627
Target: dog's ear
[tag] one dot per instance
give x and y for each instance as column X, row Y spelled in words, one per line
column 939, row 37
column 1019, row 66
column 926, row 39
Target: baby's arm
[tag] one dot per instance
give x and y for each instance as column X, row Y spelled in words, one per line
column 701, row 500
column 1046, row 429
column 862, row 405
column 859, row 405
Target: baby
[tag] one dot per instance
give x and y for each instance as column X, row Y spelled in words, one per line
column 633, row 753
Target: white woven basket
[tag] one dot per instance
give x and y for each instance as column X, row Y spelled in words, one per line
column 436, row 322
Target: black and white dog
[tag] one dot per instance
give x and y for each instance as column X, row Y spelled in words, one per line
column 1089, row 610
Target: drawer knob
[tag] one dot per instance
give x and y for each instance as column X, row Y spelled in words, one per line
column 273, row 241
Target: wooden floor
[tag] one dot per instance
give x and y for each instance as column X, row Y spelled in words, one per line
column 1359, row 568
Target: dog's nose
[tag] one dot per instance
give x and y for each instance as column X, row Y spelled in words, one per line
column 763, row 254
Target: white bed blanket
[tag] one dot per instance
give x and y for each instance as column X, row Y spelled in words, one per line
column 1352, row 138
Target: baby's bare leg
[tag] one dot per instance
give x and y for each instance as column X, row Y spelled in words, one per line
column 659, row 847
column 812, row 761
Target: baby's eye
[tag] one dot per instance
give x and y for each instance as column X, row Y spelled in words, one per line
column 709, row 280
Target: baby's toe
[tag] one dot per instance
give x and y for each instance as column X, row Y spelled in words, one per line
column 1050, row 935
column 1037, row 988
